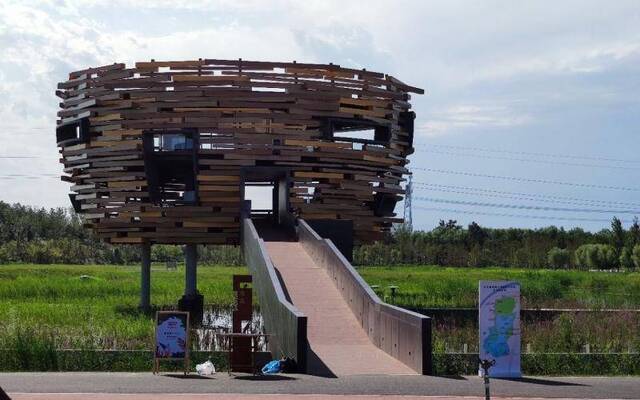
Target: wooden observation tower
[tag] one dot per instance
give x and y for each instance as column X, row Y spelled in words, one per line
column 162, row 152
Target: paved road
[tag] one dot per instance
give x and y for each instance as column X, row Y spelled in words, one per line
column 93, row 396
column 137, row 383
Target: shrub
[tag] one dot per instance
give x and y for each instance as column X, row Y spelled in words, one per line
column 480, row 257
column 44, row 358
column 635, row 256
column 580, row 257
column 550, row 364
column 558, row 258
column 221, row 255
column 164, row 253
column 625, row 260
column 607, row 257
column 596, row 256
column 9, row 252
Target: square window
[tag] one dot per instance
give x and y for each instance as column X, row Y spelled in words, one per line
column 172, row 142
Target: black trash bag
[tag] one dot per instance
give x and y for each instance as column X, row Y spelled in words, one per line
column 288, row 365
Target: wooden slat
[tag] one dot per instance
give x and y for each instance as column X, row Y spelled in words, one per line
column 259, row 114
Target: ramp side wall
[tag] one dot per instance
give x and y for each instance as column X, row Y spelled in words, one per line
column 403, row 334
column 286, row 324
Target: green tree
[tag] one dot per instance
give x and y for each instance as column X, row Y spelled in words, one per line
column 166, row 252
column 626, row 259
column 607, row 257
column 618, row 238
column 476, row 235
column 479, row 257
column 9, row 252
column 596, row 256
column 558, row 258
column 635, row 256
column 634, row 233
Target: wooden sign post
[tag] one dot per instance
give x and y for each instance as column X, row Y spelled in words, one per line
column 171, row 338
column 242, row 347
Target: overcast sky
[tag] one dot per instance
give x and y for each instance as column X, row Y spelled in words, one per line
column 546, row 92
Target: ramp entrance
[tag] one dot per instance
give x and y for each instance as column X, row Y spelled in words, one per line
column 265, row 195
column 323, row 314
column 260, row 199
column 317, row 308
column 338, row 345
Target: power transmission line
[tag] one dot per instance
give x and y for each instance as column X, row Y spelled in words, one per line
column 544, row 217
column 519, row 196
column 45, row 174
column 524, row 207
column 510, row 197
column 27, row 133
column 548, row 162
column 28, row 127
column 512, row 178
column 25, row 176
column 551, row 155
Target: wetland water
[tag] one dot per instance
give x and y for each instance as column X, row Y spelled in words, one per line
column 219, row 320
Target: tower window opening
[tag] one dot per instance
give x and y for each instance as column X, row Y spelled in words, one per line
column 171, row 167
column 172, row 142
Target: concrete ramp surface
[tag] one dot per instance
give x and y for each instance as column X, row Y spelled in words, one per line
column 338, row 343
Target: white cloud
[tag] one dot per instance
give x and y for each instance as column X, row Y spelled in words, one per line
column 463, row 117
column 472, row 57
column 222, row 42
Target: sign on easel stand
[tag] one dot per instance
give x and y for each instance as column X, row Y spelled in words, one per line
column 171, row 338
column 499, row 321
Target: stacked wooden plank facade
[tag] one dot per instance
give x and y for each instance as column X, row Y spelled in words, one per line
column 156, row 153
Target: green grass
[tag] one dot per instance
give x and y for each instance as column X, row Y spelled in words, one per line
column 100, row 312
column 440, row 287
column 431, row 286
column 566, row 333
column 51, row 307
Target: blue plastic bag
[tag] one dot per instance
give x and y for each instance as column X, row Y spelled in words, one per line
column 272, row 367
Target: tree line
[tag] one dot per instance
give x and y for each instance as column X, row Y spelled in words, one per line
column 451, row 244
column 56, row 236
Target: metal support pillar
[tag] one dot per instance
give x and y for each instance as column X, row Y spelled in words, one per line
column 191, row 278
column 145, row 277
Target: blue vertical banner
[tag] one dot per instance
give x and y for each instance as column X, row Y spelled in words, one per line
column 499, row 322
